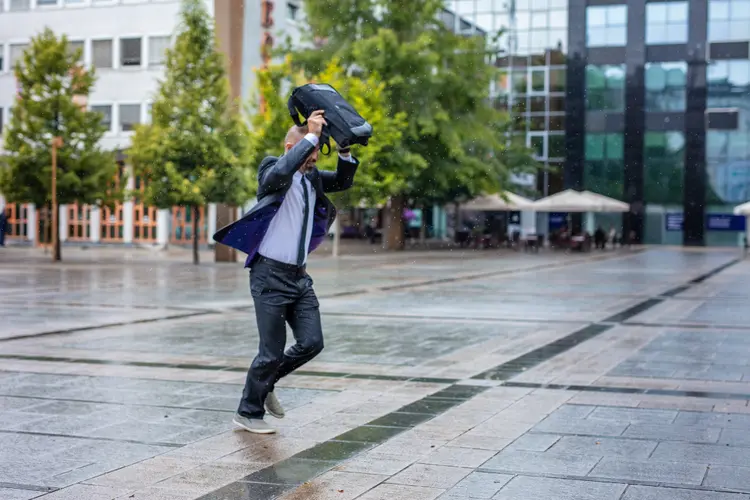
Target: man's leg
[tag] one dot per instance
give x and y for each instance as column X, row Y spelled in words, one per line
column 270, row 314
column 304, row 318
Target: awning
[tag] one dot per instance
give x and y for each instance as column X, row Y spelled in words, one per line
column 498, row 203
column 743, row 209
column 579, row 201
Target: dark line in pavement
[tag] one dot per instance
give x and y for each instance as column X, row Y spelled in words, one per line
column 292, row 472
column 106, row 325
column 92, row 438
column 633, row 311
column 28, row 487
column 631, row 390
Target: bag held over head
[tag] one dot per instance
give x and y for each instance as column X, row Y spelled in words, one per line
column 345, row 125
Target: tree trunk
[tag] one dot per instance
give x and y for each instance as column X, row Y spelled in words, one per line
column 394, row 224
column 423, row 227
column 196, row 215
column 57, row 250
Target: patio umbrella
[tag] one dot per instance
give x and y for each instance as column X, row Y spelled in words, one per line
column 579, row 201
column 498, row 203
column 743, row 209
column 607, row 204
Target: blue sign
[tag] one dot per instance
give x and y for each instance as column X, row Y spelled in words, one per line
column 674, row 222
column 725, row 222
column 557, row 220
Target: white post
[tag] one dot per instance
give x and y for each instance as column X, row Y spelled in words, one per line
column 62, row 223
column 162, row 226
column 528, row 222
column 127, row 209
column 95, row 224
column 336, row 236
column 31, row 222
column 590, row 223
column 211, row 228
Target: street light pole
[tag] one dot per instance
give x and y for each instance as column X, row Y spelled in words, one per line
column 56, row 143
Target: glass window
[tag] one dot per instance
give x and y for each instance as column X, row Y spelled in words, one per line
column 537, row 80
column 665, row 86
column 130, row 52
column 663, row 165
column 106, row 111
column 556, row 146
column 604, row 167
column 2, row 57
column 728, row 20
column 1, row 120
column 605, row 88
column 557, row 104
column 42, row 3
column 557, row 122
column 292, row 11
column 101, row 53
column 556, row 80
column 75, row 46
column 537, row 145
column 130, row 116
column 16, row 53
column 19, row 5
column 538, row 104
column 519, row 79
column 666, row 22
column 157, row 50
column 606, row 25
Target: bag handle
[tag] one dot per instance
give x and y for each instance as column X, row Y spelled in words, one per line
column 290, row 104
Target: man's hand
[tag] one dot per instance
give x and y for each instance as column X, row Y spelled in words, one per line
column 315, row 122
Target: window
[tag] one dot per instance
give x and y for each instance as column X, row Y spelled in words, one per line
column 157, row 50
column 557, row 80
column 665, row 86
column 19, row 5
column 728, row 20
column 75, row 46
column 537, row 80
column 605, row 88
column 292, row 11
column 2, row 56
column 537, row 145
column 130, row 52
column 556, row 146
column 606, row 26
column 101, row 53
column 130, row 116
column 46, row 2
column 1, row 120
column 557, row 104
column 604, row 169
column 16, row 53
column 666, row 22
column 106, row 111
column 663, row 165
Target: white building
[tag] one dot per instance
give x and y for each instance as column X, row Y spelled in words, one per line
column 125, row 40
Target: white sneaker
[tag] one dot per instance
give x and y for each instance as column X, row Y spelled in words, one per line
column 254, row 425
column 273, row 407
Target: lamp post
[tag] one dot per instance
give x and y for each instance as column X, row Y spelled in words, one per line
column 57, row 143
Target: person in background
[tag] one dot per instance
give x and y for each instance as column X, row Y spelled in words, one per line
column 613, row 237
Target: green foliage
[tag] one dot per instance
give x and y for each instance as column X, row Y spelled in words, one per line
column 381, row 161
column 48, row 77
column 195, row 149
column 438, row 79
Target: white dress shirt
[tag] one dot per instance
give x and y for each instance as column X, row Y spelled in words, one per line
column 281, row 241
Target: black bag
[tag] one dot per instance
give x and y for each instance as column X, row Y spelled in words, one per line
column 345, row 125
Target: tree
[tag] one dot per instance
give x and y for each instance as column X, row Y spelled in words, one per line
column 439, row 79
column 194, row 151
column 51, row 82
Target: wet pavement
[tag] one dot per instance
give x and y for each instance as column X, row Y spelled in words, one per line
column 450, row 375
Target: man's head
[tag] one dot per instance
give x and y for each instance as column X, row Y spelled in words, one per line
column 293, row 136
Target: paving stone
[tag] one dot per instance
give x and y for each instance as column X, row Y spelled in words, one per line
column 430, row 476
column 604, row 447
column 674, row 433
column 702, row 453
column 478, row 485
column 661, row 472
column 89, row 492
column 634, row 415
column 540, row 463
column 582, row 427
column 531, row 488
column 334, row 485
column 710, row 419
column 457, row 457
column 724, row 476
column 373, row 463
column 13, row 494
column 392, row 491
column 655, row 493
column 534, row 442
column 480, row 441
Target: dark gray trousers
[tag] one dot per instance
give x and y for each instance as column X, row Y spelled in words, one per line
column 282, row 294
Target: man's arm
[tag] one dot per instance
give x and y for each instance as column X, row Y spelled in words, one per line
column 343, row 178
column 276, row 175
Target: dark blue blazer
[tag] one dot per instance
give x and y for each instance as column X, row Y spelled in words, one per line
column 275, row 176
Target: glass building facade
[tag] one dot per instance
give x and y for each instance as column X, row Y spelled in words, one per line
column 644, row 101
column 658, row 112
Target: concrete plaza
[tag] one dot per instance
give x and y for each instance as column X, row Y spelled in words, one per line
column 453, row 375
